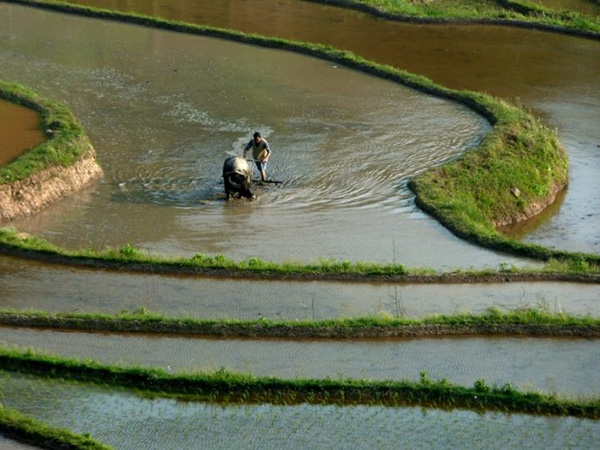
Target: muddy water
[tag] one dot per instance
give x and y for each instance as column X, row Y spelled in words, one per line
column 19, row 131
column 555, row 75
column 165, row 109
column 129, row 421
column 568, row 367
column 26, row 285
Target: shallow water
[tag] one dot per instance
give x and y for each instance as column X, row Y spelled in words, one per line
column 553, row 74
column 129, row 421
column 10, row 444
column 165, row 109
column 30, row 285
column 567, row 367
column 19, row 131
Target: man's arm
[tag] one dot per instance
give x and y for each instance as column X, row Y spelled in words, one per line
column 246, row 148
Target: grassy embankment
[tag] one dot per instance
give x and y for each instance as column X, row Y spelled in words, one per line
column 66, row 140
column 225, row 387
column 525, row 321
column 519, row 13
column 469, row 196
column 25, row 429
column 134, row 260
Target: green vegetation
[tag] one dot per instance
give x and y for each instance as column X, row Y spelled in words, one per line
column 223, row 386
column 518, row 166
column 525, row 321
column 495, row 11
column 130, row 258
column 25, row 429
column 470, row 196
column 437, row 9
column 66, row 140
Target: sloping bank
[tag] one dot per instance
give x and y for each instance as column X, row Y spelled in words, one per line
column 513, row 174
column 25, row 429
column 226, row 387
column 61, row 165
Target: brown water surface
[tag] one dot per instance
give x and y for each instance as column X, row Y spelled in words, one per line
column 555, row 75
column 19, row 131
column 165, row 109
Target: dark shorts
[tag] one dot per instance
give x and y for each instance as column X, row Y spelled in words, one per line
column 261, row 165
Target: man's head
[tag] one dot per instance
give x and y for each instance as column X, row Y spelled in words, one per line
column 257, row 137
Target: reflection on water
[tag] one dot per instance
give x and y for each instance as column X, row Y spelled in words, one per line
column 19, row 131
column 10, row 444
column 521, row 229
column 567, row 367
column 30, row 285
column 164, row 110
column 555, row 75
column 129, row 421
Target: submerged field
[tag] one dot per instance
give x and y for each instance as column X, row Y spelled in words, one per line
column 156, row 188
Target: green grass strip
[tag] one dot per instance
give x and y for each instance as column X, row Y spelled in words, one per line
column 25, row 429
column 525, row 321
column 224, row 386
column 66, row 140
column 518, row 165
column 500, row 12
column 129, row 258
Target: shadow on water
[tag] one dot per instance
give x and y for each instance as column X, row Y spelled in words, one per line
column 521, row 229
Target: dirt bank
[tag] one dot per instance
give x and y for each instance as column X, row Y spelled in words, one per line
column 28, row 196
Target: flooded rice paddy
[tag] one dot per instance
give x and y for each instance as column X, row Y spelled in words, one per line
column 27, row 285
column 165, row 109
column 566, row 367
column 554, row 75
column 174, row 106
column 130, row 421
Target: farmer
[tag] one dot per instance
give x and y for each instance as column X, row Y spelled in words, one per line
column 260, row 152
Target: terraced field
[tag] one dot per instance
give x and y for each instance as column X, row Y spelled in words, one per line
column 457, row 378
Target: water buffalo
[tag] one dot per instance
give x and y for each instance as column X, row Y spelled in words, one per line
column 237, row 177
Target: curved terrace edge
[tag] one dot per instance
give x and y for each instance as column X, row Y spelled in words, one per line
column 63, row 164
column 509, row 122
